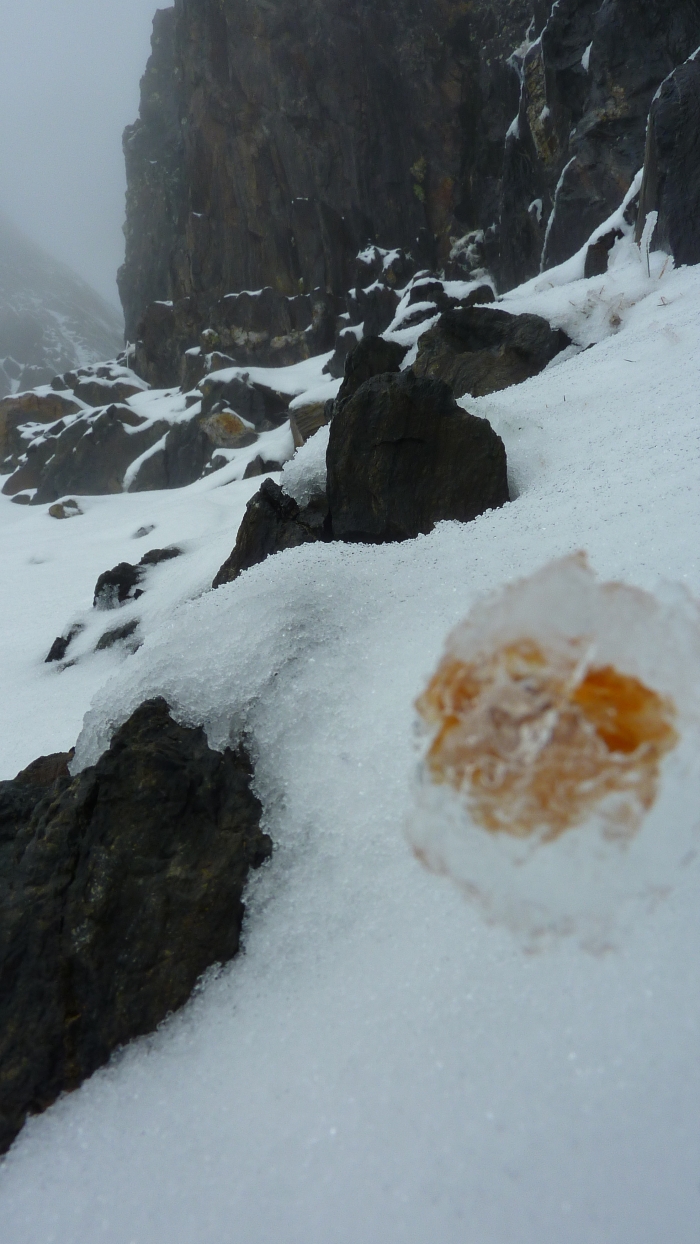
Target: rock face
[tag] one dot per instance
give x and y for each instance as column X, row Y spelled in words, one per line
column 272, row 522
column 301, row 131
column 403, row 456
column 671, row 183
column 280, row 145
column 587, row 87
column 479, row 350
column 118, row 888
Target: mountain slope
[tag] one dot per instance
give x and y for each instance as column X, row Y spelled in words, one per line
column 50, row 319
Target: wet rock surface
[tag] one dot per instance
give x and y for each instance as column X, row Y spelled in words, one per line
column 403, row 456
column 479, row 350
column 272, row 522
column 118, row 888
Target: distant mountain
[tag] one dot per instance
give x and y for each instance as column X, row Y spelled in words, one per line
column 50, row 320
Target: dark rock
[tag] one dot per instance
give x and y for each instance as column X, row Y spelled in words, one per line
column 364, row 124
column 61, row 645
column 371, row 357
column 114, row 587
column 671, row 184
column 376, row 307
column 261, row 466
column 272, row 522
column 193, row 368
column 118, row 889
column 480, row 350
column 345, row 342
column 403, row 456
column 22, row 498
column 90, row 458
column 260, row 405
column 154, row 557
column 119, row 635
column 598, row 253
column 29, row 408
column 103, row 392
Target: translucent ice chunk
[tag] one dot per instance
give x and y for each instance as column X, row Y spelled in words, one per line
column 559, row 778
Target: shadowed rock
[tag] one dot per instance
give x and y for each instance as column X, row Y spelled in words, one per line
column 272, row 522
column 371, row 357
column 403, row 456
column 479, row 350
column 118, row 889
column 671, row 183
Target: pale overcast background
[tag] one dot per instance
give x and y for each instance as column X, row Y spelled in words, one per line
column 69, row 83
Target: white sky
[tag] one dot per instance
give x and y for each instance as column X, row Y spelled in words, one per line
column 69, row 83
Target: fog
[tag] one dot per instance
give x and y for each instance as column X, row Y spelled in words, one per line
column 69, row 83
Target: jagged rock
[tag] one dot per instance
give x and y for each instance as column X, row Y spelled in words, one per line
column 185, row 456
column 103, row 392
column 260, row 405
column 120, row 635
column 371, row 357
column 92, row 463
column 480, row 350
column 345, row 342
column 118, row 889
column 587, row 87
column 403, row 456
column 114, row 587
column 671, row 184
column 376, row 307
column 272, row 522
column 287, row 191
column 62, row 643
column 598, row 253
column 29, row 408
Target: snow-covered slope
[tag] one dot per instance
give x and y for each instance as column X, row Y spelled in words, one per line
column 380, row 1065
column 49, row 318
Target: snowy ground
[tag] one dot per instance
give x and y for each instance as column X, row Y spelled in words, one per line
column 381, row 1066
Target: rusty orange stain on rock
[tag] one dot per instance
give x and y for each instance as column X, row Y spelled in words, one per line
column 534, row 740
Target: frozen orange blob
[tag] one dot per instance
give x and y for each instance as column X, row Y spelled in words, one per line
column 546, row 787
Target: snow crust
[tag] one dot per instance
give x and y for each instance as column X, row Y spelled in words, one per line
column 380, row 1064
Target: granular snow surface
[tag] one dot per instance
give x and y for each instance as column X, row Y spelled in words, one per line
column 381, row 1066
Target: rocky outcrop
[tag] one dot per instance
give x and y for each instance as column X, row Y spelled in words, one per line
column 587, row 86
column 302, row 131
column 286, row 149
column 479, row 350
column 671, row 185
column 273, row 522
column 118, row 889
column 371, row 357
column 403, row 456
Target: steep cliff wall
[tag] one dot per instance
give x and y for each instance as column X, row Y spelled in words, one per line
column 308, row 128
column 276, row 139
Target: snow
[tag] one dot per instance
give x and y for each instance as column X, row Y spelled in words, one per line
column 305, row 474
column 381, row 1064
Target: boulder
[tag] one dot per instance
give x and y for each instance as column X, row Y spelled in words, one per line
column 671, row 184
column 64, row 509
column 102, row 392
column 403, row 456
column 29, row 408
column 260, row 405
column 118, row 889
column 272, row 522
column 114, row 587
column 479, row 350
column 371, row 357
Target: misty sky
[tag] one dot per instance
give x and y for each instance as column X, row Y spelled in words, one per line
column 69, row 81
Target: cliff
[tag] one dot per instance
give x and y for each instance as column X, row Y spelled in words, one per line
column 276, row 140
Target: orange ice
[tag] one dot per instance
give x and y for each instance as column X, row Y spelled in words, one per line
column 536, row 741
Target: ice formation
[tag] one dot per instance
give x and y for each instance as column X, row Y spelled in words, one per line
column 559, row 782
